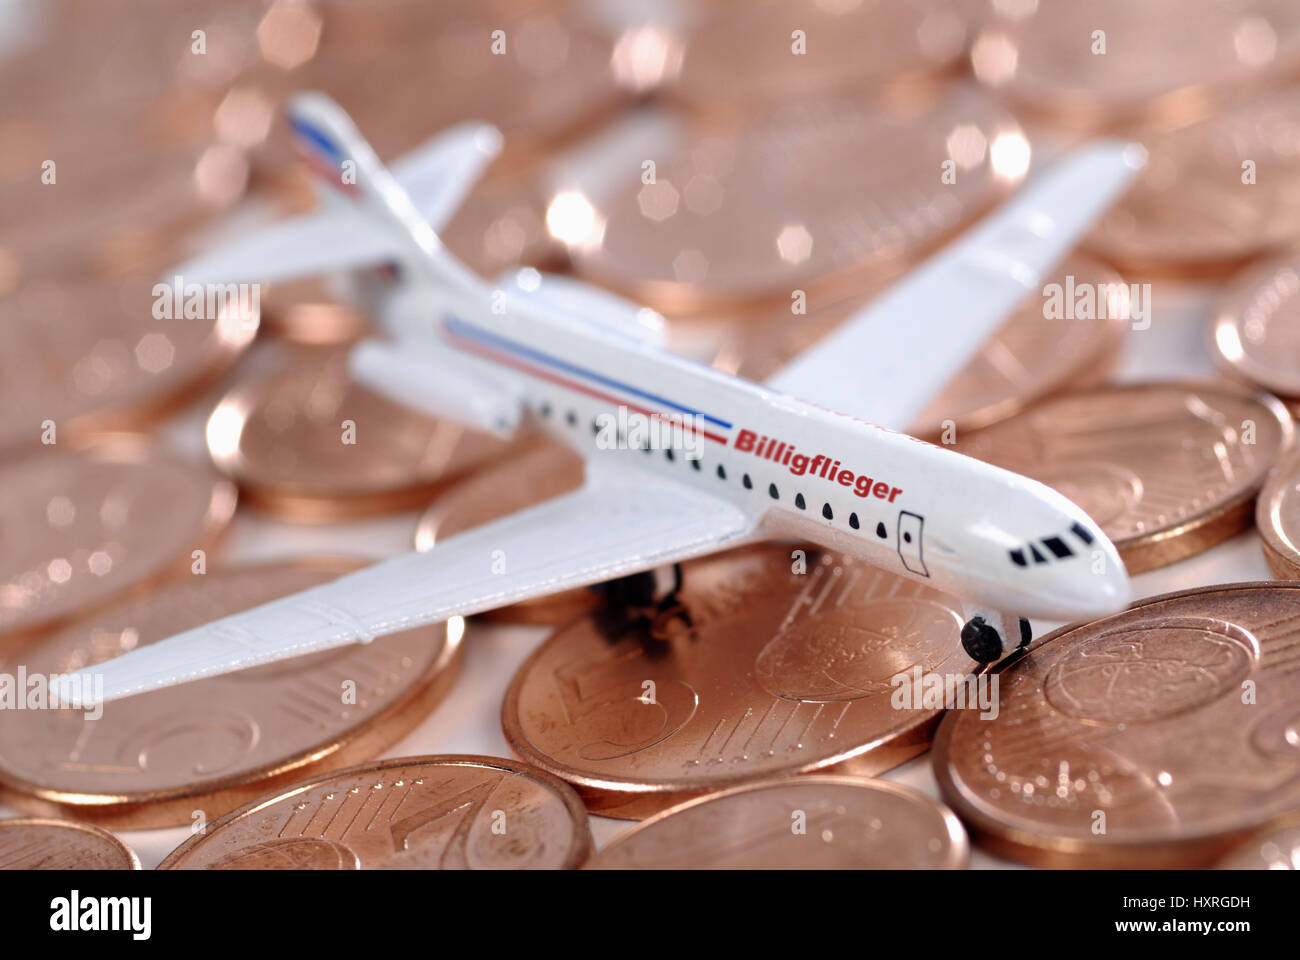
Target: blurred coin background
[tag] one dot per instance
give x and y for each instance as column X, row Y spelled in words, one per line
column 718, row 161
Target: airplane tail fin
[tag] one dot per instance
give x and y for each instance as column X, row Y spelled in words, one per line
column 341, row 162
column 351, row 175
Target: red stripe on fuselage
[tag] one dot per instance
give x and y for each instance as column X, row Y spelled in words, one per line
column 497, row 357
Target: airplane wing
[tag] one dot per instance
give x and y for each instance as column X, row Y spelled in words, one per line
column 886, row 363
column 437, row 175
column 620, row 522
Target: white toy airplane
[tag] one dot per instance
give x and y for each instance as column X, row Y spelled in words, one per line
column 808, row 455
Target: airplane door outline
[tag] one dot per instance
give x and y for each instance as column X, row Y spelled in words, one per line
column 910, row 526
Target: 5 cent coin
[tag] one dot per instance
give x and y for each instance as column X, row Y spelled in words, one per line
column 770, row 662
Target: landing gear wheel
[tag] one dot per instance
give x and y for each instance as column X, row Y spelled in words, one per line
column 981, row 640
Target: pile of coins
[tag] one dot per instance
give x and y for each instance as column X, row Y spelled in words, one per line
column 756, row 171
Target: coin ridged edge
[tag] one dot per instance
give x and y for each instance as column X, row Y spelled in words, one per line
column 1045, row 850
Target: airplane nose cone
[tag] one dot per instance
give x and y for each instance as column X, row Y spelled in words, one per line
column 1099, row 585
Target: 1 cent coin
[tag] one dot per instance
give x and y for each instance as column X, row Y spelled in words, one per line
column 427, row 813
column 770, row 662
column 804, row 823
column 1162, row 736
column 159, row 758
column 1166, row 469
column 35, row 844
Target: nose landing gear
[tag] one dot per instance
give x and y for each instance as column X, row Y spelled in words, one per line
column 987, row 636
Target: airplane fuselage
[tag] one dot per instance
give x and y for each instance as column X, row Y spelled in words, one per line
column 919, row 510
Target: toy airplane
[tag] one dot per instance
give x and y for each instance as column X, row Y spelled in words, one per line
column 810, row 455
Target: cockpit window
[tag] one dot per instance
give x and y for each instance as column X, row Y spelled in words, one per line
column 1053, row 545
column 1058, row 547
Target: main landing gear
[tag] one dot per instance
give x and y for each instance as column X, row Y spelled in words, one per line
column 988, row 636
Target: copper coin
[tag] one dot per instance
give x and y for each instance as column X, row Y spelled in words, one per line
column 805, row 823
column 80, row 527
column 1028, row 358
column 821, row 192
column 85, row 213
column 1277, row 516
column 1110, row 63
column 843, row 47
column 1158, row 737
column 1213, row 194
column 543, row 471
column 94, row 354
column 1278, row 850
column 32, row 844
column 310, row 445
column 1255, row 333
column 758, row 670
column 1166, row 469
column 502, row 224
column 157, row 759
column 423, row 813
column 539, row 72
column 315, row 311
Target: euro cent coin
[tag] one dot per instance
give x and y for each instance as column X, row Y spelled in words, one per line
column 801, row 823
column 82, row 526
column 1162, row 736
column 772, row 661
column 1212, row 195
column 308, row 444
column 812, row 195
column 1255, row 333
column 429, row 813
column 37, row 844
column 1274, row 850
column 163, row 758
column 1112, row 64
column 94, row 354
column 873, row 46
column 1277, row 517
